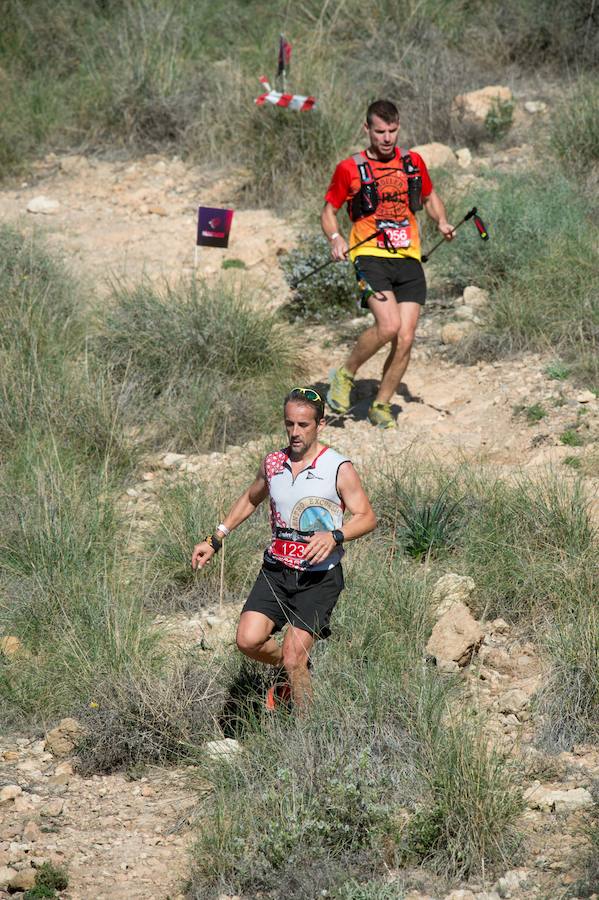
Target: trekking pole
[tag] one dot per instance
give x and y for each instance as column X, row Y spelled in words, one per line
column 374, row 234
column 480, row 227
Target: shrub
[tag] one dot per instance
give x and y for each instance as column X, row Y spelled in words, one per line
column 188, row 511
column 336, row 786
column 536, row 221
column 147, row 717
column 326, row 296
column 196, row 366
column 499, row 119
column 569, row 701
column 574, row 127
column 48, row 880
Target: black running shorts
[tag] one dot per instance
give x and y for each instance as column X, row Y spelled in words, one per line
column 404, row 277
column 302, row 599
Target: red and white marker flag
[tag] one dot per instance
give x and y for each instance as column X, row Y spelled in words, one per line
column 296, row 102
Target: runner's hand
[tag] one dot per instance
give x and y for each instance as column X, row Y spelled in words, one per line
column 320, row 545
column 447, row 230
column 202, row 553
column 339, row 248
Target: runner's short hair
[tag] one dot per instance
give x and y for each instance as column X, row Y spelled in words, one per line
column 384, row 109
column 305, row 395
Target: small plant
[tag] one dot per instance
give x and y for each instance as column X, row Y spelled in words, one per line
column 534, row 413
column 234, row 264
column 48, row 880
column 571, row 438
column 574, row 462
column 329, row 294
column 557, row 371
column 575, row 126
column 499, row 119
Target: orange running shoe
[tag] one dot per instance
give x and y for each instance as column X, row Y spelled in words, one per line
column 279, row 695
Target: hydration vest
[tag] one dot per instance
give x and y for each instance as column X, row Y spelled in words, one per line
column 366, row 200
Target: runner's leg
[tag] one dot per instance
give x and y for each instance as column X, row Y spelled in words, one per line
column 399, row 357
column 385, row 310
column 254, row 638
column 296, row 654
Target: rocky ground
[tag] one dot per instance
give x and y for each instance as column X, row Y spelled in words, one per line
column 121, row 838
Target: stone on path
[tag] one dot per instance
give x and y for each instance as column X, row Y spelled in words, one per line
column 62, row 740
column 9, row 792
column 535, row 106
column 585, row 397
column 42, row 205
column 464, row 157
column 455, row 637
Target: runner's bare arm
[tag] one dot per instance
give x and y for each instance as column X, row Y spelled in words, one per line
column 363, row 519
column 241, row 510
column 436, row 211
column 330, row 226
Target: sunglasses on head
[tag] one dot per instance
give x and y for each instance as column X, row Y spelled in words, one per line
column 309, row 394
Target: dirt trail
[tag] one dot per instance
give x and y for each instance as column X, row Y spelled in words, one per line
column 129, row 219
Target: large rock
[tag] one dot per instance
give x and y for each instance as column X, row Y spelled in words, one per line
column 9, row 792
column 471, row 109
column 437, row 155
column 455, row 637
column 540, row 797
column 450, row 589
column 63, row 739
column 6, row 876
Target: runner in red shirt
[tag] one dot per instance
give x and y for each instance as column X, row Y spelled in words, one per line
column 383, row 187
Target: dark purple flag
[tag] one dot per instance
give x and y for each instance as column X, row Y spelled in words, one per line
column 214, row 226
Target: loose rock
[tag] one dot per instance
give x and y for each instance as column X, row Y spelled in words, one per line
column 475, row 296
column 222, row 749
column 456, row 636
column 450, row 589
column 23, row 880
column 44, row 206
column 436, row 155
column 10, row 645
column 454, row 332
column 9, row 792
column 62, row 740
column 539, row 797
column 471, row 109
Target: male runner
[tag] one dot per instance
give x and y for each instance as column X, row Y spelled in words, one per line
column 376, row 185
column 310, row 485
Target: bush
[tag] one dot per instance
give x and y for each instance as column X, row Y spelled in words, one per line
column 188, row 511
column 537, row 223
column 335, row 788
column 150, row 718
column 575, row 130
column 196, row 366
column 326, row 296
column 569, row 702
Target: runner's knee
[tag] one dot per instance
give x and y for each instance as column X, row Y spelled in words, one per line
column 249, row 642
column 295, row 658
column 406, row 336
column 387, row 331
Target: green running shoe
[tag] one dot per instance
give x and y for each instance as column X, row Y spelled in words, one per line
column 339, row 393
column 380, row 415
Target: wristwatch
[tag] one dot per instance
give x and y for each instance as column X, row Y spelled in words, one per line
column 338, row 536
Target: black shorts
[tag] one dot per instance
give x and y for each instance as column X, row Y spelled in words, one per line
column 404, row 277
column 302, row 599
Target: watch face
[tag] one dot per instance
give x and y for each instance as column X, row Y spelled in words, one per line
column 338, row 536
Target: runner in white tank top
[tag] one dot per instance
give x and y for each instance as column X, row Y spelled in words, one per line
column 310, row 486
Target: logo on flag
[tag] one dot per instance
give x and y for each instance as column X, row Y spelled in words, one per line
column 214, row 226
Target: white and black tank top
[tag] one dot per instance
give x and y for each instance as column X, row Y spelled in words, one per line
column 302, row 505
